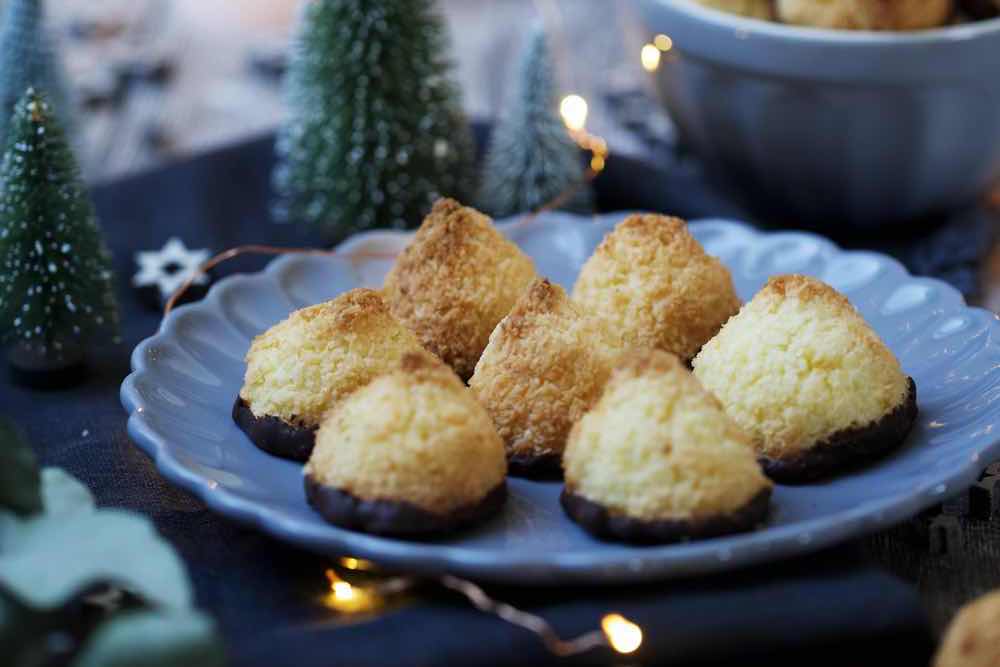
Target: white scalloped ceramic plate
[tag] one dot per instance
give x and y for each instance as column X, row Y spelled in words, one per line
column 185, row 377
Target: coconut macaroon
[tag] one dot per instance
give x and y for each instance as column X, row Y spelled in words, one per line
column 973, row 637
column 454, row 282
column 758, row 9
column 301, row 367
column 411, row 453
column 866, row 14
column 657, row 459
column 543, row 368
column 654, row 283
column 802, row 372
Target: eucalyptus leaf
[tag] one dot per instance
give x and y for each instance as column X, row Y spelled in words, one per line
column 52, row 558
column 19, row 479
column 153, row 638
column 63, row 494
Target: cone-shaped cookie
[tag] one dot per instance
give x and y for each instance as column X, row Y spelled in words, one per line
column 657, row 460
column 654, row 283
column 815, row 387
column 544, row 366
column 973, row 637
column 301, row 367
column 758, row 9
column 454, row 282
column 866, row 14
column 411, row 453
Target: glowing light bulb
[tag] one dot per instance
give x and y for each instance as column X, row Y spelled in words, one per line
column 623, row 635
column 650, row 57
column 348, row 599
column 663, row 43
column 356, row 563
column 343, row 591
column 573, row 110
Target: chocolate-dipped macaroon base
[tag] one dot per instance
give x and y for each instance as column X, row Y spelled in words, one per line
column 604, row 524
column 546, row 466
column 396, row 517
column 847, row 448
column 274, row 435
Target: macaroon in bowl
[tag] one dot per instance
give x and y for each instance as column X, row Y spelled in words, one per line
column 826, row 127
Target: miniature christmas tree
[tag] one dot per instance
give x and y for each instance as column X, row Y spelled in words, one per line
column 27, row 59
column 376, row 132
column 531, row 158
column 55, row 275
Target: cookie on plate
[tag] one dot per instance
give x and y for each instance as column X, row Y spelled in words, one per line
column 658, row 460
column 301, row 367
column 652, row 281
column 410, row 454
column 801, row 371
column 458, row 277
column 866, row 14
column 973, row 638
column 543, row 368
column 758, row 9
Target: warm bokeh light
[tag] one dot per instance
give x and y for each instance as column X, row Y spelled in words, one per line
column 650, row 57
column 573, row 110
column 623, row 635
column 356, row 564
column 663, row 43
column 346, row 598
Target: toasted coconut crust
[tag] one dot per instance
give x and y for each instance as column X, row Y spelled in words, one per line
column 797, row 365
column 866, row 14
column 543, row 368
column 657, row 459
column 652, row 281
column 848, row 448
column 455, row 281
column 414, row 436
column 301, row 367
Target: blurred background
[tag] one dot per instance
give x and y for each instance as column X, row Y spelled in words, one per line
column 162, row 79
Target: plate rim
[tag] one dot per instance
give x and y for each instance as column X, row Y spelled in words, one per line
column 431, row 558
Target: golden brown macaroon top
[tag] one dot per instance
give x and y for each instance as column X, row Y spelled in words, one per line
column 414, row 435
column 758, row 9
column 457, row 278
column 657, row 446
column 652, row 280
column 544, row 366
column 300, row 367
column 866, row 14
column 973, row 638
column 798, row 364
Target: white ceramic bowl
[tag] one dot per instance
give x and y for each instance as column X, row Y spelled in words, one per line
column 824, row 128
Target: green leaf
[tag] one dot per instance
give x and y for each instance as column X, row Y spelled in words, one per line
column 52, row 558
column 63, row 494
column 19, row 479
column 153, row 639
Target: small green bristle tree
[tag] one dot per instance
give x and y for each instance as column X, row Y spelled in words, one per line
column 531, row 158
column 56, row 290
column 27, row 59
column 376, row 132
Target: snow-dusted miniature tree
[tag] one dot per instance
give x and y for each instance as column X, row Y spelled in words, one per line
column 531, row 158
column 27, row 59
column 56, row 290
column 376, row 133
